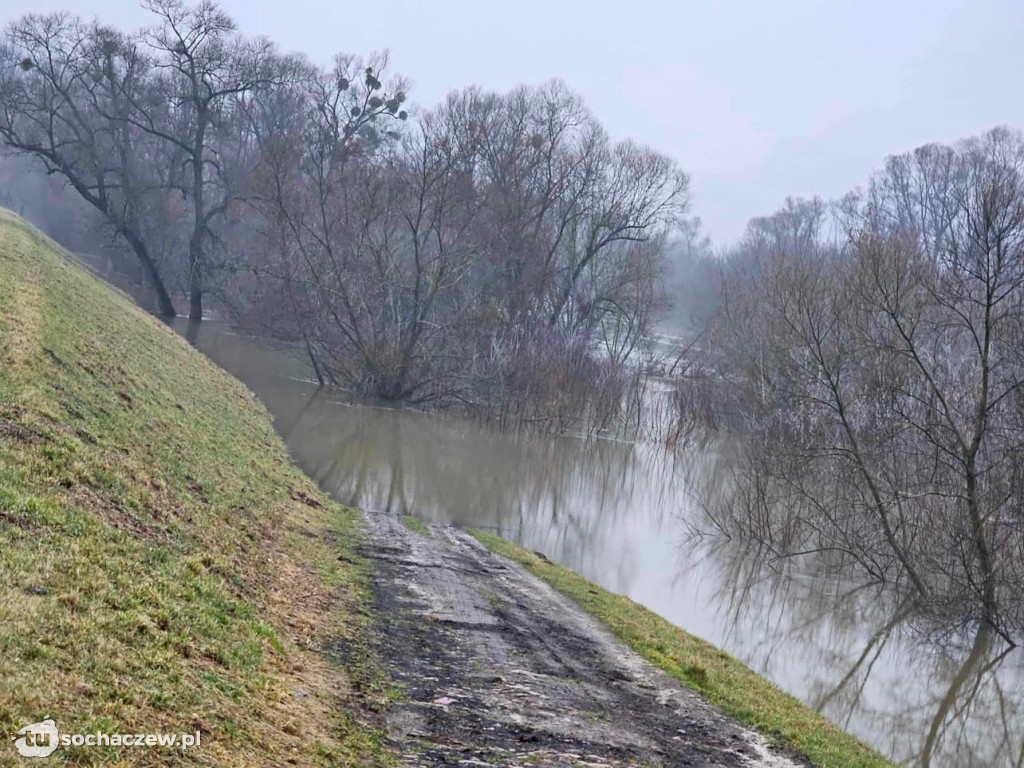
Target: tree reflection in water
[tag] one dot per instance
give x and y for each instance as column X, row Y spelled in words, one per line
column 927, row 695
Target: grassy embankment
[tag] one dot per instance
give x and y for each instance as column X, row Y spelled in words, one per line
column 699, row 665
column 165, row 567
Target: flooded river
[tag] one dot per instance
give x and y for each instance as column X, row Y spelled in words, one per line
column 619, row 513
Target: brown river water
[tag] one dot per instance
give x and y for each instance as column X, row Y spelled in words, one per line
column 621, row 514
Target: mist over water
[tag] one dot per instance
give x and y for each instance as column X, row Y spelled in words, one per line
column 621, row 514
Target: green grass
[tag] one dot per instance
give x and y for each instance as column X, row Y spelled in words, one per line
column 699, row 665
column 166, row 568
column 415, row 525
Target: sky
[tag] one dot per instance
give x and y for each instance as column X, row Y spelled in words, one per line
column 756, row 100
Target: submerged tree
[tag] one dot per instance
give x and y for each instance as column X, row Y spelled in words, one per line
column 880, row 384
column 320, row 189
column 476, row 256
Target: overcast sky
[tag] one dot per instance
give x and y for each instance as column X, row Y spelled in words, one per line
column 757, row 100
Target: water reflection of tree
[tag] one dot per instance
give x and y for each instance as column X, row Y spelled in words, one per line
column 567, row 497
column 928, row 696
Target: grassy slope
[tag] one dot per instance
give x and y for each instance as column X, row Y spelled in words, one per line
column 165, row 566
column 699, row 665
column 415, row 525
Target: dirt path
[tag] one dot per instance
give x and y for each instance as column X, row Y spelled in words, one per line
column 498, row 669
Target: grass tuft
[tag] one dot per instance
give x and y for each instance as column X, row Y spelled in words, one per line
column 415, row 525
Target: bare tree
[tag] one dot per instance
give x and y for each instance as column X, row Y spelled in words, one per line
column 319, row 141
column 60, row 80
column 880, row 385
column 201, row 70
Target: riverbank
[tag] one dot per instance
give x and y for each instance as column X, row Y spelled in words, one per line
column 166, row 567
column 699, row 666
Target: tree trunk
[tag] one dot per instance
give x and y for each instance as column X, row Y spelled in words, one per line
column 196, row 258
column 163, row 298
column 195, row 302
column 195, row 276
column 313, row 360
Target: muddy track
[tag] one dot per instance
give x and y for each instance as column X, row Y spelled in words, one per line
column 498, row 669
